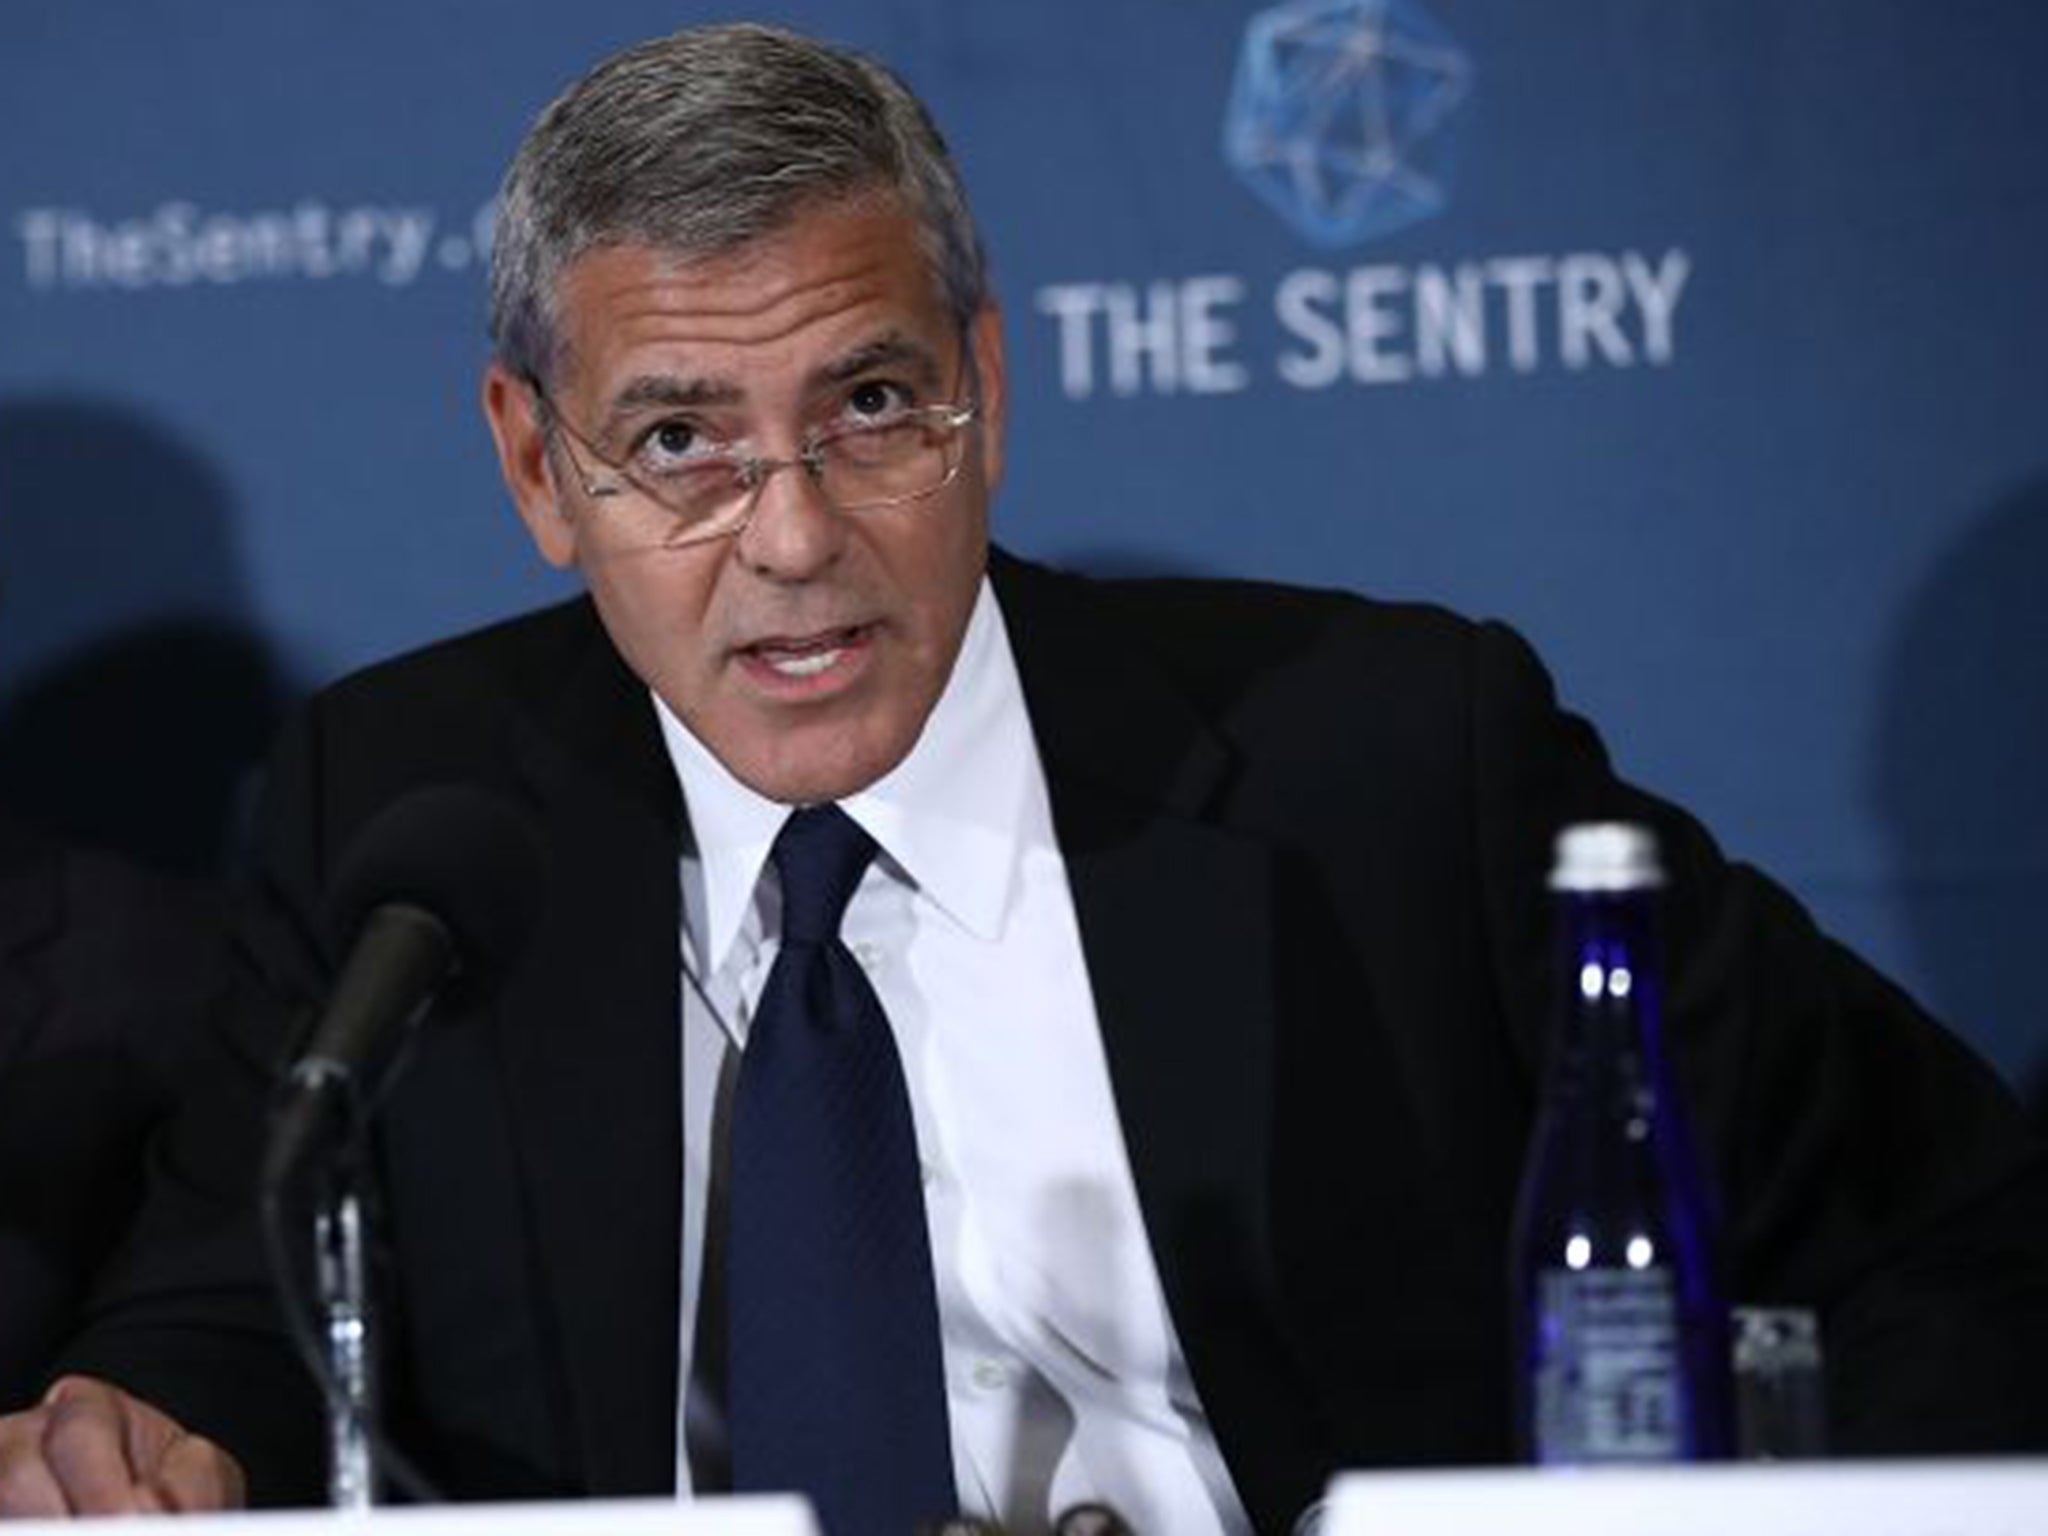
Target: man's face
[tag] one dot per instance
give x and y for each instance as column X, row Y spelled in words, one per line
column 806, row 650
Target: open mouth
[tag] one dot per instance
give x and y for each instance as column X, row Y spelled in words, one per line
column 808, row 656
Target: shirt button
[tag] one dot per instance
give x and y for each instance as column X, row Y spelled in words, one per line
column 990, row 1375
column 868, row 956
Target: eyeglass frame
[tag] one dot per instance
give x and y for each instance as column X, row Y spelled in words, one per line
column 752, row 471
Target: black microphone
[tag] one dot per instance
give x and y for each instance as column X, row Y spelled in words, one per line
column 434, row 899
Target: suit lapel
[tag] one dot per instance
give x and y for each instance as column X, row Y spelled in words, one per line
column 1175, row 914
column 588, row 1040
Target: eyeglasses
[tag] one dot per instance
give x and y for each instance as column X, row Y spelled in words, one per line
column 710, row 491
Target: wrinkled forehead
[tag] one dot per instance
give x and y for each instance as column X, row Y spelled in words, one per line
column 828, row 282
column 719, row 271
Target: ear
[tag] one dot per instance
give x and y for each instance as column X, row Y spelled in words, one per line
column 514, row 417
column 985, row 337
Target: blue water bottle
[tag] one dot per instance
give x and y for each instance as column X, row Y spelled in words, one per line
column 1621, row 1330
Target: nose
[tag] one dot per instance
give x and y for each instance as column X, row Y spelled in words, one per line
column 793, row 534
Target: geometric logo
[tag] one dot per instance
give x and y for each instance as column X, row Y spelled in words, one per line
column 1341, row 115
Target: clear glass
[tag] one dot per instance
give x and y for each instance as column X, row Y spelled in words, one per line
column 857, row 466
column 1780, row 1385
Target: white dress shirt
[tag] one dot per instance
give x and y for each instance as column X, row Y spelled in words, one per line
column 1064, row 1380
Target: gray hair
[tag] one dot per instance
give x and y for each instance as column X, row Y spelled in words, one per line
column 698, row 144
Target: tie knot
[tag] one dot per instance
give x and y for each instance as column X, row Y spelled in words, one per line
column 820, row 854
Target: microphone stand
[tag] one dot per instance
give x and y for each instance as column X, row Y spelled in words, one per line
column 321, row 1134
column 329, row 1313
column 347, row 1332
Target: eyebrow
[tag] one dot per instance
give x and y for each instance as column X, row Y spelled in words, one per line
column 662, row 391
column 668, row 392
column 890, row 349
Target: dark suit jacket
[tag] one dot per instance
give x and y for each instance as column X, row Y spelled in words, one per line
column 1307, row 838
column 105, row 972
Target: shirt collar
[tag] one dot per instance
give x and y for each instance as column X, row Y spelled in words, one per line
column 955, row 815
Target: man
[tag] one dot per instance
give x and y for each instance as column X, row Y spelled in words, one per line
column 1208, row 923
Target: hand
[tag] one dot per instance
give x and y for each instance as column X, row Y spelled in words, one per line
column 90, row 1449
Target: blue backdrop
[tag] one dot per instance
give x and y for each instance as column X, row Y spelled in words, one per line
column 1700, row 339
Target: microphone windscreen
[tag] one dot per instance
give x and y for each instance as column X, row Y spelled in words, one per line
column 466, row 854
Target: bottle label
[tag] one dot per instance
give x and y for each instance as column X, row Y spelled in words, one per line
column 1608, row 1374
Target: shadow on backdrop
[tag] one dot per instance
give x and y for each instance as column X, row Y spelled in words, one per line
column 1960, row 779
column 136, row 693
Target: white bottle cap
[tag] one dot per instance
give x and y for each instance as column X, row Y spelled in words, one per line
column 1606, row 856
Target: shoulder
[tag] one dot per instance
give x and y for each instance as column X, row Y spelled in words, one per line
column 538, row 711
column 515, row 658
column 1223, row 630
column 1267, row 663
column 455, row 708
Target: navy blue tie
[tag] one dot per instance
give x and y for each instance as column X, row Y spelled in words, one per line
column 836, row 1385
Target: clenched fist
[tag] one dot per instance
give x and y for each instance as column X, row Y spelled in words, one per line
column 91, row 1449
